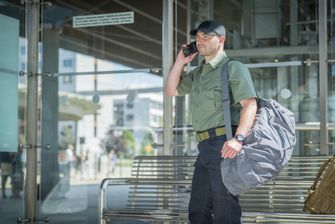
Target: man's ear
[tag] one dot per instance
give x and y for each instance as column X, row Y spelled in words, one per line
column 222, row 39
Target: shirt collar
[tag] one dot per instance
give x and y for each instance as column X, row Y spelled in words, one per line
column 218, row 58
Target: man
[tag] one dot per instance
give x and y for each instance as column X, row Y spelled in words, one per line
column 210, row 200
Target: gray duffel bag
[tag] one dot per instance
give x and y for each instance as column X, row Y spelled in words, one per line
column 267, row 148
column 266, row 151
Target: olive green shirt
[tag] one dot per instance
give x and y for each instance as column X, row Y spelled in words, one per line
column 204, row 85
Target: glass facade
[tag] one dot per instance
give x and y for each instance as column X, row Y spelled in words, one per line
column 98, row 72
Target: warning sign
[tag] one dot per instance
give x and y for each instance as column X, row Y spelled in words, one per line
column 103, row 19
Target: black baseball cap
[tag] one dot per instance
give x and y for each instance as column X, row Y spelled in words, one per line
column 210, row 27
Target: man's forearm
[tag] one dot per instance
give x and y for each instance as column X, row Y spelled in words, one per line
column 247, row 117
column 174, row 79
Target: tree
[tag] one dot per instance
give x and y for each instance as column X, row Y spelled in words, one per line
column 128, row 138
column 120, row 141
column 146, row 145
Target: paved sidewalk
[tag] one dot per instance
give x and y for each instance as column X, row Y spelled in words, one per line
column 78, row 206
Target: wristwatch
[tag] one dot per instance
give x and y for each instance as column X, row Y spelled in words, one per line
column 240, row 138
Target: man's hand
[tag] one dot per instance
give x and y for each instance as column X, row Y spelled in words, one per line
column 231, row 148
column 175, row 73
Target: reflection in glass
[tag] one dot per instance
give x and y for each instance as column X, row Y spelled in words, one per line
column 9, row 63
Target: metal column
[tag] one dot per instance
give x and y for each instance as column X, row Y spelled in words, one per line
column 30, row 196
column 323, row 77
column 167, row 58
column 49, row 95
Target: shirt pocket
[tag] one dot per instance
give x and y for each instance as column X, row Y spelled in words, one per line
column 207, row 102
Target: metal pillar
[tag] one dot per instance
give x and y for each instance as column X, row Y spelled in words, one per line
column 294, row 79
column 323, row 77
column 49, row 96
column 167, row 58
column 30, row 196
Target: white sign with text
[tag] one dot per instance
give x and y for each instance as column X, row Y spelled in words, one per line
column 103, row 19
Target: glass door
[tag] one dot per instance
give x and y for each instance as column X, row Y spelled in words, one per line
column 102, row 100
column 13, row 90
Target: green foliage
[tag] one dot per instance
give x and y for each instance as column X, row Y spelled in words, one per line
column 129, row 140
column 146, row 147
column 121, row 141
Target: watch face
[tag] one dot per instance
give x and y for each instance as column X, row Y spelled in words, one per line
column 240, row 137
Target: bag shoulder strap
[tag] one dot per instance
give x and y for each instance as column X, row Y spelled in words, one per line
column 226, row 100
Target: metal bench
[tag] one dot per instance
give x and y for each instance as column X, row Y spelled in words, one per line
column 159, row 189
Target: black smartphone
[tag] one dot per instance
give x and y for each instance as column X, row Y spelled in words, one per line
column 190, row 49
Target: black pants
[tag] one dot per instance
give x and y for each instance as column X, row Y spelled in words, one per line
column 210, row 201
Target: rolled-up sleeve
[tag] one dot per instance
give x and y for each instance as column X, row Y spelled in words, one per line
column 241, row 83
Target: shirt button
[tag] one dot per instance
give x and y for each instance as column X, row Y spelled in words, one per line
column 197, row 105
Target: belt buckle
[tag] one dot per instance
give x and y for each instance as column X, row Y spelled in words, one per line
column 202, row 136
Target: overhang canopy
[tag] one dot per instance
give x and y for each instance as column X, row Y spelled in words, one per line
column 71, row 106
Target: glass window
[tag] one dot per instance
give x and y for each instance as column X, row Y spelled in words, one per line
column 23, row 50
column 67, row 63
column 278, row 40
column 13, row 93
